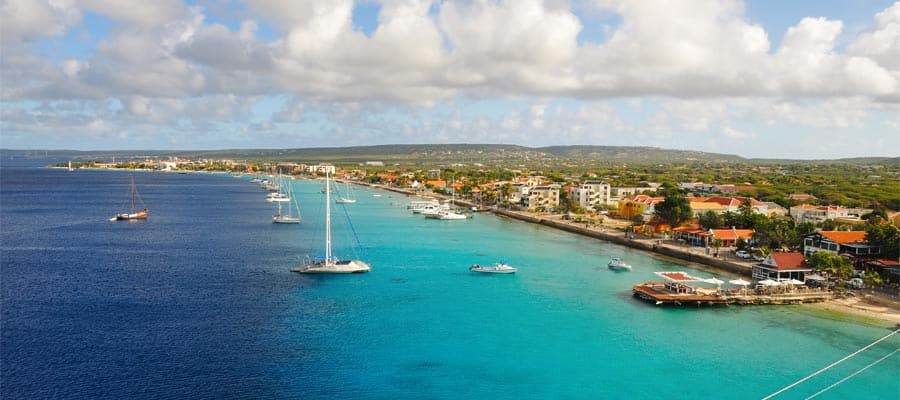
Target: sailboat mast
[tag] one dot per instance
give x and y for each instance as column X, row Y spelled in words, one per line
column 133, row 205
column 327, row 218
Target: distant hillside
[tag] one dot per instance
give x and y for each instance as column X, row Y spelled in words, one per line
column 639, row 155
column 441, row 153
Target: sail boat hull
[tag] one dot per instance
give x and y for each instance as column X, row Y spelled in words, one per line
column 339, row 267
column 284, row 219
column 125, row 216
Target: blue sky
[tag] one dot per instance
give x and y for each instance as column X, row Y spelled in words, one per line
column 769, row 79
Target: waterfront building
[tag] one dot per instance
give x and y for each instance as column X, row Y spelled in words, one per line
column 777, row 266
column 703, row 237
column 639, row 205
column 851, row 243
column 592, row 193
column 543, row 198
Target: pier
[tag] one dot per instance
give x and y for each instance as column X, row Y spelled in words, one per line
column 679, row 294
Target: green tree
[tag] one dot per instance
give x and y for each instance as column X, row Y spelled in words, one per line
column 675, row 209
column 778, row 233
column 836, row 265
column 872, row 279
column 829, row 225
column 711, row 220
column 730, row 219
column 884, row 235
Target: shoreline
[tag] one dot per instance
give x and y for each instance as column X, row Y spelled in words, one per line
column 868, row 307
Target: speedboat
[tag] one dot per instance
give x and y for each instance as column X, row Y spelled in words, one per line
column 498, row 268
column 618, row 264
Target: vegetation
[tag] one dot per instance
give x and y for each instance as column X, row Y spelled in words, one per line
column 675, row 209
column 837, row 266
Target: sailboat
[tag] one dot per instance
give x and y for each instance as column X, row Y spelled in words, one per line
column 345, row 197
column 135, row 214
column 289, row 218
column 70, row 166
column 329, row 264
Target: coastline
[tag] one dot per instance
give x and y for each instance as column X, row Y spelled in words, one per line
column 866, row 307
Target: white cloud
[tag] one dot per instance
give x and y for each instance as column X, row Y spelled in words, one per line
column 732, row 133
column 710, row 71
column 28, row 19
column 143, row 14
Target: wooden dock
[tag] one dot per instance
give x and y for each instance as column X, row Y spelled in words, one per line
column 673, row 293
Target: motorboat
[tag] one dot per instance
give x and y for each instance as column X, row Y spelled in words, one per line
column 618, row 264
column 497, row 268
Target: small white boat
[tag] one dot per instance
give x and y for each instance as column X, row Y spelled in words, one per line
column 451, row 215
column 498, row 268
column 618, row 264
column 278, row 197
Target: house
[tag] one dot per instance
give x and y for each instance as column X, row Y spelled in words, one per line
column 592, row 193
column 543, row 198
column 801, row 197
column 852, row 243
column 729, row 237
column 692, row 235
column 777, row 266
column 436, row 184
column 321, row 168
column 703, row 237
column 619, row 194
column 700, row 206
column 810, row 213
column 774, row 209
column 640, row 204
column 733, row 204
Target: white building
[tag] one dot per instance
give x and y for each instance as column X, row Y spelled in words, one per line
column 543, row 198
column 592, row 193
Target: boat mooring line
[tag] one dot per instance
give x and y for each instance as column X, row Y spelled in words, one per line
column 831, row 365
column 854, row 374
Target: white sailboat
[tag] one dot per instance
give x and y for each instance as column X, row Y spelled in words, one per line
column 345, row 197
column 70, row 166
column 290, row 218
column 329, row 264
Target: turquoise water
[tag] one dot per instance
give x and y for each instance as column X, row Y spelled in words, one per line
column 563, row 327
column 198, row 302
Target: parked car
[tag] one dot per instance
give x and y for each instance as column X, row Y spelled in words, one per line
column 758, row 257
column 856, row 283
column 742, row 254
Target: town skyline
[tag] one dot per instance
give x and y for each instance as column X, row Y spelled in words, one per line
column 806, row 80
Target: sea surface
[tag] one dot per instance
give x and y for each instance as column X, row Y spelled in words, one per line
column 198, row 302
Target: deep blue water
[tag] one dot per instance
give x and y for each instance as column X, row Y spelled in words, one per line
column 197, row 302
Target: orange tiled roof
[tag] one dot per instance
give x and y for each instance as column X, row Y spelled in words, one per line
column 793, row 260
column 843, row 237
column 732, row 201
column 732, row 234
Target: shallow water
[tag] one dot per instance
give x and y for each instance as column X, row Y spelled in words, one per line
column 197, row 301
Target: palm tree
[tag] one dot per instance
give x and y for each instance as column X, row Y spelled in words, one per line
column 506, row 189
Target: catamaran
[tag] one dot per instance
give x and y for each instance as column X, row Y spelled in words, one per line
column 330, row 264
column 134, row 214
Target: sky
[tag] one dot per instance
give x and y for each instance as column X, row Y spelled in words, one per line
column 804, row 79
